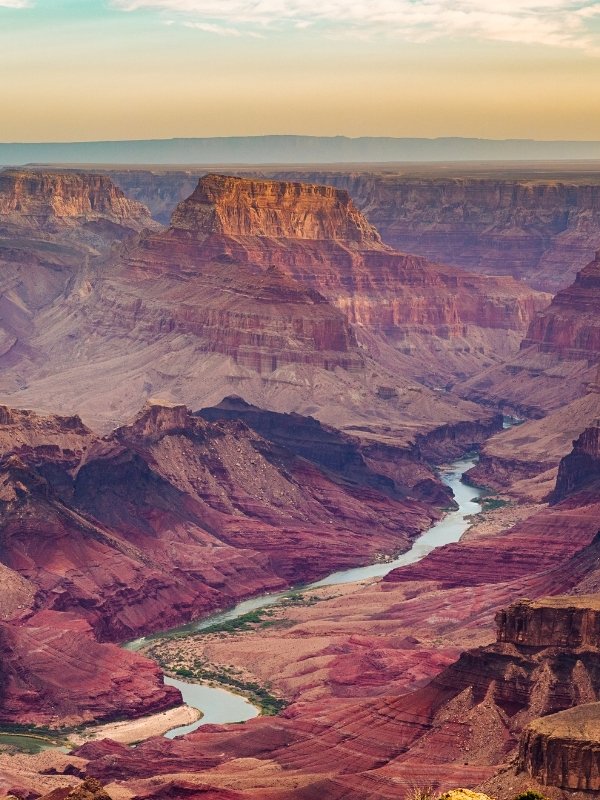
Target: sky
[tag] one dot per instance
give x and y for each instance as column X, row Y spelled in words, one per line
column 73, row 70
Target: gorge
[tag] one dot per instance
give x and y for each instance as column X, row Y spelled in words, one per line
column 301, row 385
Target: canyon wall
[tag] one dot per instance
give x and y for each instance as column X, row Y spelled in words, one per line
column 541, row 229
column 237, row 296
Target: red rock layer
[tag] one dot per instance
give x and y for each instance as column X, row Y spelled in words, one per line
column 541, row 229
column 463, row 723
column 581, row 467
column 54, row 672
column 45, row 201
column 457, row 729
column 569, row 327
column 563, row 750
column 558, row 356
column 166, row 518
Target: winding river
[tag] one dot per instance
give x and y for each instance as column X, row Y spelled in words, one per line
column 219, row 705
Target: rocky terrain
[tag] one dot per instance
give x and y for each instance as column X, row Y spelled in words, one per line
column 52, row 228
column 302, row 380
column 381, row 698
column 555, row 378
column 162, row 520
column 292, row 323
column 541, row 224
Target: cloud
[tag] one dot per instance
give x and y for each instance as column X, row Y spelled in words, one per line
column 15, row 3
column 558, row 23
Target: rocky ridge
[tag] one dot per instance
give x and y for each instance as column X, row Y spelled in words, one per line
column 162, row 520
column 206, row 307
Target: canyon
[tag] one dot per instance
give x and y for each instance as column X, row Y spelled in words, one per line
column 540, row 223
column 318, row 326
column 300, row 381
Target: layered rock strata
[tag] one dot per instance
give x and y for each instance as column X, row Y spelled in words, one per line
column 503, row 221
column 238, row 295
column 162, row 520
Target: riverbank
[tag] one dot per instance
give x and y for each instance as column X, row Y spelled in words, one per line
column 132, row 731
column 192, row 651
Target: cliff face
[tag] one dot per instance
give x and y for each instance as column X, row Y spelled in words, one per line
column 45, row 201
column 581, row 467
column 558, row 358
column 570, row 326
column 563, row 750
column 53, row 228
column 552, row 623
column 543, row 231
column 276, row 210
column 540, row 229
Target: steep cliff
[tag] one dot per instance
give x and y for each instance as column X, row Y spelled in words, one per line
column 581, row 467
column 563, row 750
column 570, row 326
column 54, row 226
column 495, row 220
column 237, row 296
column 48, row 202
column 558, row 357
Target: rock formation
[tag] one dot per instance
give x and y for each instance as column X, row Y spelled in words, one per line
column 166, row 518
column 569, row 327
column 497, row 221
column 236, row 296
column 581, row 467
column 563, row 750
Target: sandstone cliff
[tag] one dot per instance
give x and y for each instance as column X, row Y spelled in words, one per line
column 237, row 296
column 512, row 222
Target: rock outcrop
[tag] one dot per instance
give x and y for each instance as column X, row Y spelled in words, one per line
column 581, row 467
column 499, row 221
column 230, row 206
column 235, row 296
column 54, row 202
column 570, row 327
column 563, row 750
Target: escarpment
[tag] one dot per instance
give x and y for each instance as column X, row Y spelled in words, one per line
column 519, row 222
column 569, row 327
column 50, row 202
column 581, row 467
column 283, row 294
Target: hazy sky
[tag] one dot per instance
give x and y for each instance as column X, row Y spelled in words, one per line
column 112, row 69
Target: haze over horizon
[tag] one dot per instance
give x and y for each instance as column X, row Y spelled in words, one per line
column 139, row 69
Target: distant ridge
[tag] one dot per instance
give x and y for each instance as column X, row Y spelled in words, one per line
column 294, row 150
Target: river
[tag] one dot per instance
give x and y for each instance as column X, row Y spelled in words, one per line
column 220, row 705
